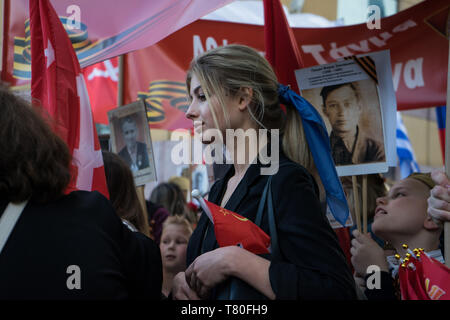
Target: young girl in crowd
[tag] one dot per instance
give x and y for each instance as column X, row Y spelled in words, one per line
column 174, row 239
column 400, row 218
column 234, row 87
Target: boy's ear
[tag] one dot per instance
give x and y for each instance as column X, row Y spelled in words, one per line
column 430, row 225
column 245, row 97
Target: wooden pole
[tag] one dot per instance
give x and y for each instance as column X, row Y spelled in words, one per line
column 120, row 83
column 356, row 203
column 447, row 151
column 2, row 25
column 141, row 197
column 364, row 201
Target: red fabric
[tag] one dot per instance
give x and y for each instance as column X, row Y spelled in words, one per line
column 102, row 83
column 441, row 133
column 419, row 53
column 232, row 229
column 343, row 235
column 282, row 50
column 57, row 82
column 428, row 280
column 192, row 206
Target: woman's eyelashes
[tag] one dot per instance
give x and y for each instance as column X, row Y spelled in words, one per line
column 398, row 195
column 201, row 97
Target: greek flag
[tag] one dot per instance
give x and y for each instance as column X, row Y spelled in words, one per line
column 405, row 152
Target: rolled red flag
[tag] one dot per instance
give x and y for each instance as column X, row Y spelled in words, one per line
column 233, row 229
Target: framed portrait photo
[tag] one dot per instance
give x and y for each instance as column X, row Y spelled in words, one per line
column 357, row 109
column 131, row 140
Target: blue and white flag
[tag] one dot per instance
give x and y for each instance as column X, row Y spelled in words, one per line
column 405, row 152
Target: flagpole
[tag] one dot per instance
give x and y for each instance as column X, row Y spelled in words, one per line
column 2, row 25
column 120, row 82
column 364, row 200
column 196, row 194
column 447, row 151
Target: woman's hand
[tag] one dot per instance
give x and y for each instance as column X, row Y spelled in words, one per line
column 366, row 252
column 181, row 290
column 439, row 200
column 359, row 281
column 210, row 269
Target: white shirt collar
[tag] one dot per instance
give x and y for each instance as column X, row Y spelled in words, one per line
column 394, row 263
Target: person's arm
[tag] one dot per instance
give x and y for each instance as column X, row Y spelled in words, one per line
column 215, row 266
column 137, row 256
column 313, row 264
column 181, row 289
column 366, row 252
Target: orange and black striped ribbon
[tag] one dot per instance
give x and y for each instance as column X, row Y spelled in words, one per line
column 367, row 64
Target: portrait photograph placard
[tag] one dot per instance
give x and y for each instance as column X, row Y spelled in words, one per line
column 131, row 140
column 358, row 108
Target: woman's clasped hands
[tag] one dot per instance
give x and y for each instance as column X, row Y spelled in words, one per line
column 208, row 270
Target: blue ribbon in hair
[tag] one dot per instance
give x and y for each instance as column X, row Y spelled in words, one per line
column 319, row 144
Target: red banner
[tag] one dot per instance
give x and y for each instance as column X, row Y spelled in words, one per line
column 419, row 53
column 99, row 29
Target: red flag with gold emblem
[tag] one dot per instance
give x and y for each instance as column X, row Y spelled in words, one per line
column 424, row 278
column 232, row 229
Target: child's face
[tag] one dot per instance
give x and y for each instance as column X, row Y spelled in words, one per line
column 174, row 240
column 403, row 211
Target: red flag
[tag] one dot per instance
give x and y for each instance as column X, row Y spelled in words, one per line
column 424, row 278
column 232, row 229
column 102, row 84
column 281, row 48
column 58, row 83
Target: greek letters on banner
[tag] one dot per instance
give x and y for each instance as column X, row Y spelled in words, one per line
column 415, row 38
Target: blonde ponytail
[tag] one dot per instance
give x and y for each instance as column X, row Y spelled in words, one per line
column 296, row 148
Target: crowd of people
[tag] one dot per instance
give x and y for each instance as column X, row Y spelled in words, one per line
column 81, row 245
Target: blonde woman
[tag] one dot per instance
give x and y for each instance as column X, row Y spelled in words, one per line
column 234, row 87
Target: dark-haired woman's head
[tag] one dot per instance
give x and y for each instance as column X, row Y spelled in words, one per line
column 34, row 161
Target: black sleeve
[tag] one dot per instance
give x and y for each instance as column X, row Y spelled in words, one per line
column 386, row 290
column 312, row 266
column 143, row 266
column 138, row 256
